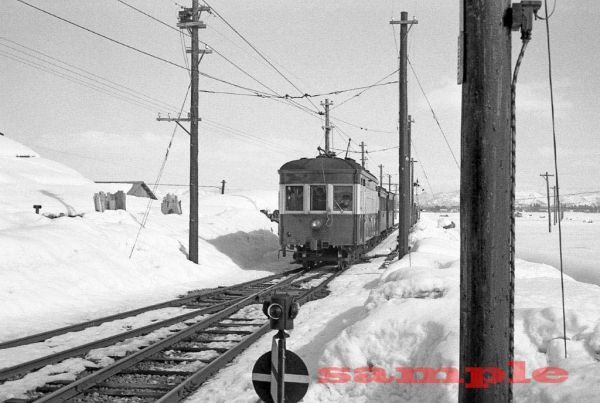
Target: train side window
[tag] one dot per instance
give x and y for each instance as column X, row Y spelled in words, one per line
column 318, row 197
column 342, row 198
column 294, row 197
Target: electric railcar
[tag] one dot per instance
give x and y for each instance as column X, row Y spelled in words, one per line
column 331, row 210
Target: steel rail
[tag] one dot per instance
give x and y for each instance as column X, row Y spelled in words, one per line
column 34, row 338
column 107, row 341
column 196, row 379
column 91, row 380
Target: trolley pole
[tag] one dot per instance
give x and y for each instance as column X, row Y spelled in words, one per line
column 327, row 126
column 486, row 337
column 362, row 154
column 404, row 178
column 545, row 176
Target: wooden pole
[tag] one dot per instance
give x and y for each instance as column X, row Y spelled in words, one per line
column 403, row 150
column 486, row 283
column 193, row 232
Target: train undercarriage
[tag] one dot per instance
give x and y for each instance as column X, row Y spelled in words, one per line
column 342, row 256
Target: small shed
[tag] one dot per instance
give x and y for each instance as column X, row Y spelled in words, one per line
column 138, row 188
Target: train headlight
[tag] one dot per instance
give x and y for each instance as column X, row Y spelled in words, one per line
column 316, row 224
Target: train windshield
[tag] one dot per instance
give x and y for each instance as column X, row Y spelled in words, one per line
column 342, row 198
column 294, row 196
column 318, row 198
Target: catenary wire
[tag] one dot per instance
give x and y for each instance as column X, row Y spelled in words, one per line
column 433, row 113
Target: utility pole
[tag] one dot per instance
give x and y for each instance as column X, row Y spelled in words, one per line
column 403, row 150
column 410, row 168
column 545, row 176
column 486, row 322
column 380, row 175
column 390, row 183
column 327, row 126
column 189, row 18
column 412, row 191
column 554, row 202
column 362, row 154
column 223, row 187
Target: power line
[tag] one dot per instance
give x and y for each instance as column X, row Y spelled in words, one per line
column 136, row 49
column 104, row 36
column 258, row 52
column 363, row 127
column 375, row 84
column 433, row 113
column 111, row 84
column 152, row 17
column 77, row 81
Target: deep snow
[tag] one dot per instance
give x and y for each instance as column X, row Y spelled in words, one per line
column 54, row 272
column 407, row 316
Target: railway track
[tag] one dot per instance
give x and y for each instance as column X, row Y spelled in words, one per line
column 221, row 323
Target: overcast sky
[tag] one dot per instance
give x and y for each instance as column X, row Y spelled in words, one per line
column 320, row 46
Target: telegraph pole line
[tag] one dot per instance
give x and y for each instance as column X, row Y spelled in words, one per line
column 327, row 126
column 189, row 18
column 403, row 150
column 486, row 322
column 546, row 176
column 362, row 153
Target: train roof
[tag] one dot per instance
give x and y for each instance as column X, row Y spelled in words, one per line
column 324, row 163
column 319, row 163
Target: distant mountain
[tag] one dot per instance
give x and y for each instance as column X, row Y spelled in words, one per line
column 524, row 199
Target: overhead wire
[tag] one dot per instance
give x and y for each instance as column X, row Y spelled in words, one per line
column 220, row 54
column 433, row 113
column 214, row 11
column 104, row 36
column 137, row 49
column 79, row 81
column 94, row 77
column 560, row 243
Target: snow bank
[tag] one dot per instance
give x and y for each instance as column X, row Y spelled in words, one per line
column 412, row 320
column 58, row 271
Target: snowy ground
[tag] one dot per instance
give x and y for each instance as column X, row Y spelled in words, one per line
column 407, row 316
column 54, row 272
column 581, row 242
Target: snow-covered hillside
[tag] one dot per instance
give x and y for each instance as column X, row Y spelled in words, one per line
column 63, row 270
column 523, row 199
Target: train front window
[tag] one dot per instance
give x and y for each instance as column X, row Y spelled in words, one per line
column 294, row 196
column 318, row 198
column 342, row 198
